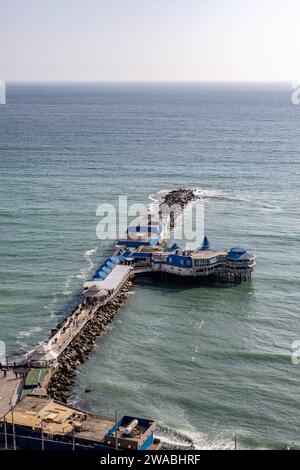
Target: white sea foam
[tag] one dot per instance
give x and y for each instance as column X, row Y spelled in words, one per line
column 67, row 286
column 238, row 196
column 156, row 199
column 153, row 197
column 197, row 440
column 264, row 207
column 83, row 274
column 29, row 332
column 90, row 252
column 222, row 195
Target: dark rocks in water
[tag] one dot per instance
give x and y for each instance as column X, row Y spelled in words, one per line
column 88, row 390
column 179, row 197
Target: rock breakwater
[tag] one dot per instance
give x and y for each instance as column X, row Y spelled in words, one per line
column 181, row 197
column 79, row 349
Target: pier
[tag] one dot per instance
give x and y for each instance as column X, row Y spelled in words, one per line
column 49, row 369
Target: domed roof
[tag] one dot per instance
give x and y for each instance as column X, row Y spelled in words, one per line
column 239, row 254
column 237, row 249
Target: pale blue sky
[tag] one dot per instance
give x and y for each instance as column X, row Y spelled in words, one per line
column 160, row 40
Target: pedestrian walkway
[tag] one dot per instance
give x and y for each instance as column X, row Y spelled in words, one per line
column 8, row 391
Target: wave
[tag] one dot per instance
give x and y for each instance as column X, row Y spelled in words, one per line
column 83, row 274
column 223, row 195
column 29, row 332
column 52, row 306
column 265, row 207
column 153, row 198
column 67, row 287
column 183, row 439
column 171, row 438
column 153, row 206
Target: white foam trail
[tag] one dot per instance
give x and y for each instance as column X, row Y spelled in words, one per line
column 90, row 252
column 83, row 274
column 153, row 206
column 67, row 289
column 220, row 194
column 264, row 207
column 156, row 199
column 23, row 346
column 235, row 196
column 216, row 194
column 153, row 197
column 52, row 308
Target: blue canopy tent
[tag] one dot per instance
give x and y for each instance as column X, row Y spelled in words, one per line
column 100, row 276
column 106, row 269
column 111, row 264
column 206, row 245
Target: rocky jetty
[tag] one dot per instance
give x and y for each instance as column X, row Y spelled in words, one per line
column 78, row 351
column 175, row 202
column 179, row 197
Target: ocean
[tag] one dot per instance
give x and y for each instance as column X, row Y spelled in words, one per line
column 209, row 363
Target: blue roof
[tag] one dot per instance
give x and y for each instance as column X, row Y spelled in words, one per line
column 240, row 256
column 206, row 245
column 110, row 264
column 237, row 249
column 106, row 269
column 175, row 247
column 100, row 275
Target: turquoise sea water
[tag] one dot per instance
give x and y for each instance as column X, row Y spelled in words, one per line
column 207, row 362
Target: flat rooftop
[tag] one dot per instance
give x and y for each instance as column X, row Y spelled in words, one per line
column 207, row 254
column 192, row 254
column 115, row 277
column 149, row 249
column 57, row 418
column 45, row 414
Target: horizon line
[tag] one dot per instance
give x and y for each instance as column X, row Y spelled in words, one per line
column 155, row 81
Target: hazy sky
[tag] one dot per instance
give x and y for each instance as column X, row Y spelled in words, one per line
column 150, row 40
